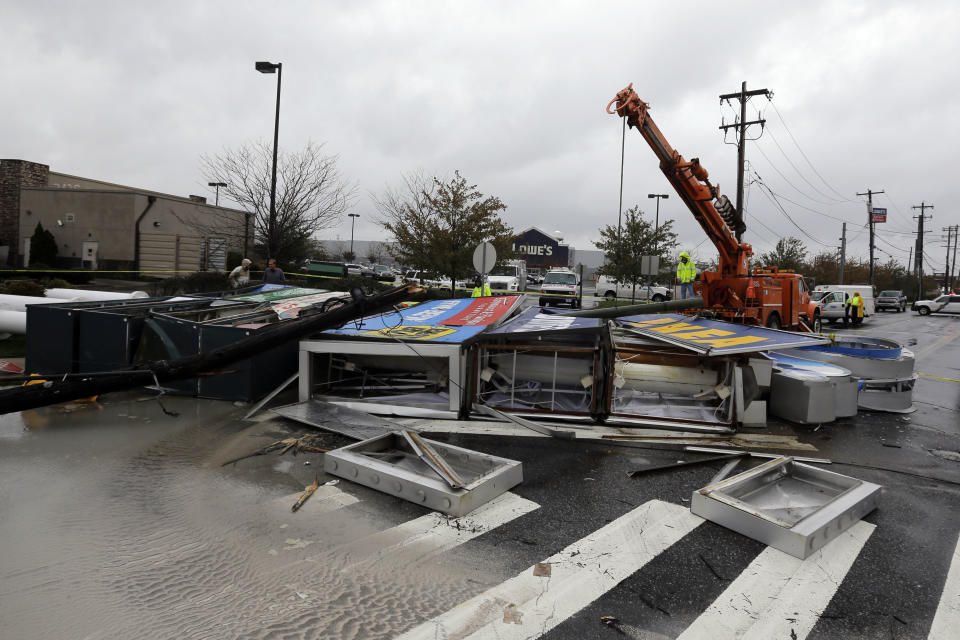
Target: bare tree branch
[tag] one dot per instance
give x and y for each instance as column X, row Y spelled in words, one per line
column 311, row 193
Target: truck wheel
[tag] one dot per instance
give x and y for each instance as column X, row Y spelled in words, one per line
column 902, row 308
column 657, row 297
column 924, row 311
column 817, row 323
column 610, row 296
column 773, row 321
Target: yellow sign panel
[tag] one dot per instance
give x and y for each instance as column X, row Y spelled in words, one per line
column 694, row 333
column 412, row 332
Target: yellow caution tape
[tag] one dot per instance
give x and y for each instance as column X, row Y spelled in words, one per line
column 928, row 375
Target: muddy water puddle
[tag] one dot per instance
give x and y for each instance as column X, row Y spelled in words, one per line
column 117, row 521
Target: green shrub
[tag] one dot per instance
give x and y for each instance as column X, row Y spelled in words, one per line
column 199, row 282
column 22, row 288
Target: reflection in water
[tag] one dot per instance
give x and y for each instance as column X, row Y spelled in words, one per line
column 118, row 522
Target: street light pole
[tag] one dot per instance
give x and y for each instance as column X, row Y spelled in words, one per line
column 656, row 228
column 353, row 221
column 217, row 185
column 269, row 67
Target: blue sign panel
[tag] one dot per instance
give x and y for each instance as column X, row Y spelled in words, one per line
column 422, row 322
column 533, row 321
column 713, row 337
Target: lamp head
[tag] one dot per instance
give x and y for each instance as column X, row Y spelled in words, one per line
column 266, row 67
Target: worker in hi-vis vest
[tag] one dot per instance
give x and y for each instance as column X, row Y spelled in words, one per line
column 854, row 308
column 686, row 274
column 480, row 288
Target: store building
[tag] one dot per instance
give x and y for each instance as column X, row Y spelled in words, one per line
column 104, row 226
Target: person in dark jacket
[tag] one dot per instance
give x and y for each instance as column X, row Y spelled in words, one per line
column 273, row 275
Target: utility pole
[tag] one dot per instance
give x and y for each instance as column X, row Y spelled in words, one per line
column 869, row 193
column 953, row 264
column 952, row 235
column 741, row 127
column 843, row 251
column 923, row 206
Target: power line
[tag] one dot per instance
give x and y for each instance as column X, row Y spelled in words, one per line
column 770, row 196
column 803, row 177
column 786, row 179
column 810, row 164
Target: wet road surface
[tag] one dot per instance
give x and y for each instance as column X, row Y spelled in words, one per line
column 119, row 521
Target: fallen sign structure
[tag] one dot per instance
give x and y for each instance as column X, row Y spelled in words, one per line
column 449, row 479
column 793, row 507
column 81, row 386
column 407, row 362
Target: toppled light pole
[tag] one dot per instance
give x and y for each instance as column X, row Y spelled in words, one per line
column 636, row 309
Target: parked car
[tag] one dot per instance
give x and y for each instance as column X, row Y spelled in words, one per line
column 384, row 273
column 947, row 303
column 610, row 289
column 426, row 278
column 560, row 286
column 891, row 299
column 360, row 270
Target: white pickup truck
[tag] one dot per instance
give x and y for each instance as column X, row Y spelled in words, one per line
column 609, row 288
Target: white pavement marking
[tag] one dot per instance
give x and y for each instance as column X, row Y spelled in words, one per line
column 427, row 536
column 779, row 596
column 529, row 605
column 948, row 611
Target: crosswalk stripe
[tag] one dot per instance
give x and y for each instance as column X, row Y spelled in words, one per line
column 946, row 621
column 779, row 596
column 530, row 604
column 427, row 536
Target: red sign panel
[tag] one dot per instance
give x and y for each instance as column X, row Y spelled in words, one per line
column 483, row 311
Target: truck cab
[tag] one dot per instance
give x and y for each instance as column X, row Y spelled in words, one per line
column 510, row 275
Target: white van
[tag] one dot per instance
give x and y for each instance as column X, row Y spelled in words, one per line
column 832, row 299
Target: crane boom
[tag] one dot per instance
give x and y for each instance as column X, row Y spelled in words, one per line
column 691, row 182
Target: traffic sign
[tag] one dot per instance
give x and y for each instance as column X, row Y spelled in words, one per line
column 879, row 215
column 484, row 258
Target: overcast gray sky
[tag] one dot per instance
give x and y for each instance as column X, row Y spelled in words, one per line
column 512, row 95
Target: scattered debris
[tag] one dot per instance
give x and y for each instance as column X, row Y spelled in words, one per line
column 392, row 463
column 953, row 456
column 308, row 491
column 790, row 506
column 303, row 444
column 511, row 614
column 689, row 463
column 542, row 569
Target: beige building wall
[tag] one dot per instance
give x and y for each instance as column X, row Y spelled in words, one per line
column 175, row 234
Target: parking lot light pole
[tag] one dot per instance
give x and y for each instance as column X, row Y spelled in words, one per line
column 656, row 227
column 353, row 221
column 269, row 67
column 217, row 185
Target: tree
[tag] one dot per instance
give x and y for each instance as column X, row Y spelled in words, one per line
column 43, row 247
column 311, row 194
column 376, row 252
column 790, row 254
column 637, row 237
column 436, row 224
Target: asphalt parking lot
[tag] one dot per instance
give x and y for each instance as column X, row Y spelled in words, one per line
column 120, row 521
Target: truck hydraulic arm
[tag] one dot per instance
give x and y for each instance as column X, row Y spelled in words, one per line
column 691, row 182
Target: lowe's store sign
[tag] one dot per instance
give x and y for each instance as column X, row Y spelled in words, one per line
column 541, row 250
